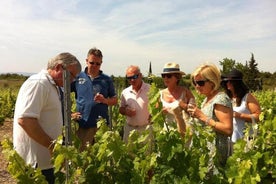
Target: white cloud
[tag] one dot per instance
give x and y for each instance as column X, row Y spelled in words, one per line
column 136, row 32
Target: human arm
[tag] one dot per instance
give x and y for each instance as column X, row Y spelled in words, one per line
column 224, row 114
column 127, row 111
column 254, row 108
column 225, row 120
column 76, row 115
column 124, row 109
column 181, row 125
column 34, row 131
column 183, row 103
column 108, row 101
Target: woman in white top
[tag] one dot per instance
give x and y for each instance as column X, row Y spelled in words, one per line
column 246, row 107
column 174, row 98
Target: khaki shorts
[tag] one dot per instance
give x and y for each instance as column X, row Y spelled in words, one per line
column 86, row 135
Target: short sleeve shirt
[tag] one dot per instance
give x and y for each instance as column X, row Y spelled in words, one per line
column 38, row 98
column 138, row 101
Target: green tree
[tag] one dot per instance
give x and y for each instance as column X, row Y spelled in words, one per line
column 227, row 65
column 252, row 75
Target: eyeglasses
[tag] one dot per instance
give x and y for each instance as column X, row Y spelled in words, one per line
column 199, row 82
column 95, row 63
column 166, row 75
column 132, row 77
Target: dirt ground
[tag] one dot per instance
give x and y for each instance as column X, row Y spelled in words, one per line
column 5, row 131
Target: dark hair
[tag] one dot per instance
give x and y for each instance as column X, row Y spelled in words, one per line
column 96, row 52
column 240, row 89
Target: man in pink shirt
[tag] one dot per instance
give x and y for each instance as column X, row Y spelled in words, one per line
column 134, row 102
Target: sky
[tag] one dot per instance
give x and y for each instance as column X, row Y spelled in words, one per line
column 137, row 32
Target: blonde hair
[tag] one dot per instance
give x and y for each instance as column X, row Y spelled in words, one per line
column 209, row 72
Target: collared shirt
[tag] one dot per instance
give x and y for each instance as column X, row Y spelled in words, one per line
column 139, row 102
column 38, row 98
column 85, row 89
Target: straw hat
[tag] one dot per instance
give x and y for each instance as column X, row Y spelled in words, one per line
column 172, row 68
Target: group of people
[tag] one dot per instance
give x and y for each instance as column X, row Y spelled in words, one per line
column 38, row 117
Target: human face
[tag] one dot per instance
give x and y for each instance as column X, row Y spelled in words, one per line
column 134, row 78
column 169, row 79
column 229, row 86
column 73, row 72
column 167, row 75
column 94, row 62
column 58, row 75
column 203, row 86
column 199, row 82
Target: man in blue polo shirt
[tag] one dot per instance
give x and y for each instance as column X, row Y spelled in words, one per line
column 94, row 92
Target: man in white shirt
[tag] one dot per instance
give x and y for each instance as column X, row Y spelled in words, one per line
column 38, row 113
column 134, row 102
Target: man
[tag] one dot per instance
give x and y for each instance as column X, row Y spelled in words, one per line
column 94, row 92
column 38, row 113
column 134, row 102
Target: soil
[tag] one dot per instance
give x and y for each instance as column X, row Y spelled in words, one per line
column 5, row 131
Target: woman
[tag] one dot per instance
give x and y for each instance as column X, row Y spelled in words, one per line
column 174, row 98
column 216, row 109
column 245, row 106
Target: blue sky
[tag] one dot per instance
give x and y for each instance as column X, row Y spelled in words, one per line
column 136, row 32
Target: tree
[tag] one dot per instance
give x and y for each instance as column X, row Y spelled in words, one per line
column 251, row 74
column 227, row 65
column 253, row 79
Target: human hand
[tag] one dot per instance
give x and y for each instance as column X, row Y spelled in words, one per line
column 76, row 115
column 236, row 114
column 183, row 105
column 165, row 110
column 99, row 98
column 130, row 111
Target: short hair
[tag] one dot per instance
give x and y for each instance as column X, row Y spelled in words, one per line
column 210, row 72
column 133, row 67
column 96, row 52
column 65, row 59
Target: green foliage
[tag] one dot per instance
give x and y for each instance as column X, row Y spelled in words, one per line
column 254, row 161
column 227, row 65
column 12, row 76
column 253, row 78
column 161, row 156
column 18, row 169
column 7, row 103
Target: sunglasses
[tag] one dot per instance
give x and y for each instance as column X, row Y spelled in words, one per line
column 166, row 75
column 132, row 77
column 95, row 63
column 199, row 82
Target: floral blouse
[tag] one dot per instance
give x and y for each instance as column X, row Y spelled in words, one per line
column 222, row 141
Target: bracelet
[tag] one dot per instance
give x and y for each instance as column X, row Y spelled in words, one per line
column 207, row 122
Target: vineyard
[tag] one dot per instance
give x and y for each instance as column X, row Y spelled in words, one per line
column 163, row 158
